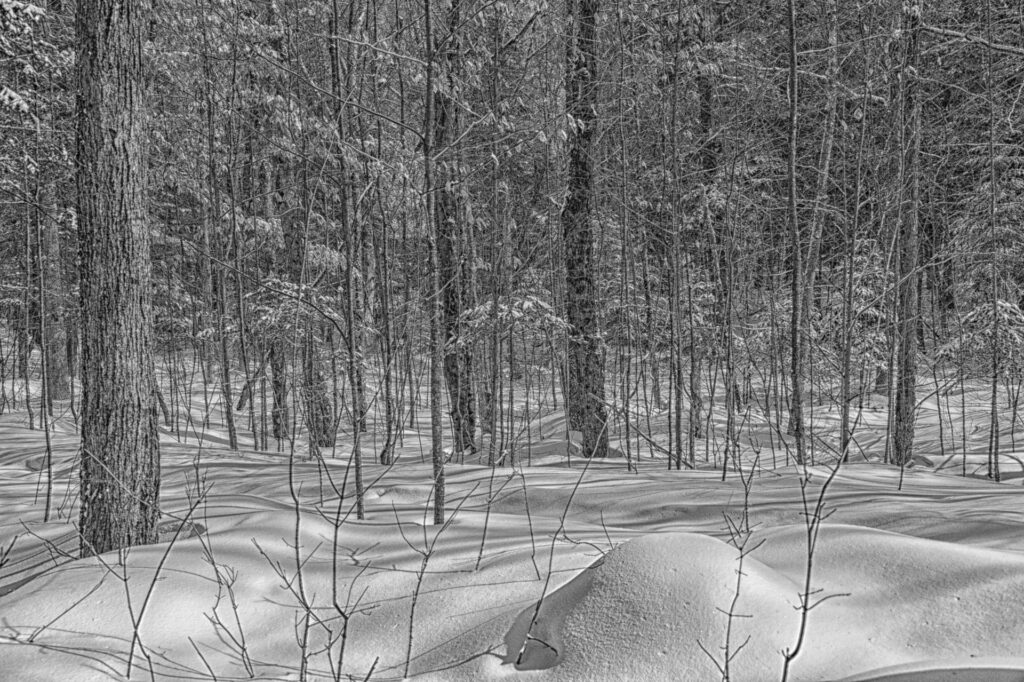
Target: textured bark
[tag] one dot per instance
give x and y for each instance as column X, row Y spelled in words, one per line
column 279, row 387
column 319, row 410
column 708, row 157
column 449, row 216
column 796, row 418
column 387, row 346
column 213, row 244
column 437, row 455
column 51, row 334
column 585, row 377
column 818, row 213
column 120, row 470
column 824, row 178
column 225, row 364
column 906, row 353
column 352, row 225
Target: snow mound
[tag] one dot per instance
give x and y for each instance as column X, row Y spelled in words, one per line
column 657, row 607
column 890, row 608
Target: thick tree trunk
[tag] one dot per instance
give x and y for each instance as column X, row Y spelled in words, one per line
column 451, row 225
column 796, row 325
column 907, row 307
column 120, row 470
column 585, row 377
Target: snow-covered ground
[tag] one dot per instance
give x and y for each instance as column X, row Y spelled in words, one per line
column 560, row 570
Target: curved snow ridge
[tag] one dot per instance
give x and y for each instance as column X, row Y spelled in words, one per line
column 985, row 669
column 658, row 607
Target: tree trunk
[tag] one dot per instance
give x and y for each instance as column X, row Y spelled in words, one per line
column 279, row 387
column 796, row 329
column 351, row 218
column 993, row 181
column 437, row 455
column 585, row 376
column 53, row 339
column 907, row 309
column 821, row 193
column 451, row 225
column 319, row 410
column 120, row 471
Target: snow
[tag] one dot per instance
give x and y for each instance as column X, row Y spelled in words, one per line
column 917, row 575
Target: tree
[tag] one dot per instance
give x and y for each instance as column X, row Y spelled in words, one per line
column 796, row 328
column 907, row 292
column 120, row 471
column 436, row 349
column 451, row 225
column 584, row 388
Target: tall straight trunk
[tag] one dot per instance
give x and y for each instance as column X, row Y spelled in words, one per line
column 695, row 429
column 708, row 158
column 318, row 406
column 490, row 400
column 225, row 363
column 907, row 307
column 796, row 291
column 624, row 360
column 845, row 432
column 825, row 158
column 341, row 86
column 585, row 376
column 216, row 292
column 437, row 456
column 450, row 219
column 279, row 388
column 651, row 340
column 993, row 180
column 52, row 331
column 120, row 470
column 389, row 354
column 25, row 335
column 817, row 222
column 238, row 276
column 727, row 307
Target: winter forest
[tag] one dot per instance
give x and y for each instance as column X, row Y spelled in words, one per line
column 557, row 340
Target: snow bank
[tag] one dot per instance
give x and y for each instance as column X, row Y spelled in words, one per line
column 657, row 607
column 648, row 608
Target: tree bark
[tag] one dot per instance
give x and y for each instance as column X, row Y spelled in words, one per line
column 120, row 470
column 279, row 387
column 437, row 455
column 907, row 309
column 585, row 377
column 821, row 193
column 319, row 410
column 51, row 332
column 450, row 219
column 796, row 325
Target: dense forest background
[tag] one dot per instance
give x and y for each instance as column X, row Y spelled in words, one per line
column 645, row 213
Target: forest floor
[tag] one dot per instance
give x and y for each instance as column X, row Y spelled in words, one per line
column 264, row 573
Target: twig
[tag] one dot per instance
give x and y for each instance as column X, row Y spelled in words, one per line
column 968, row 38
column 551, row 557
